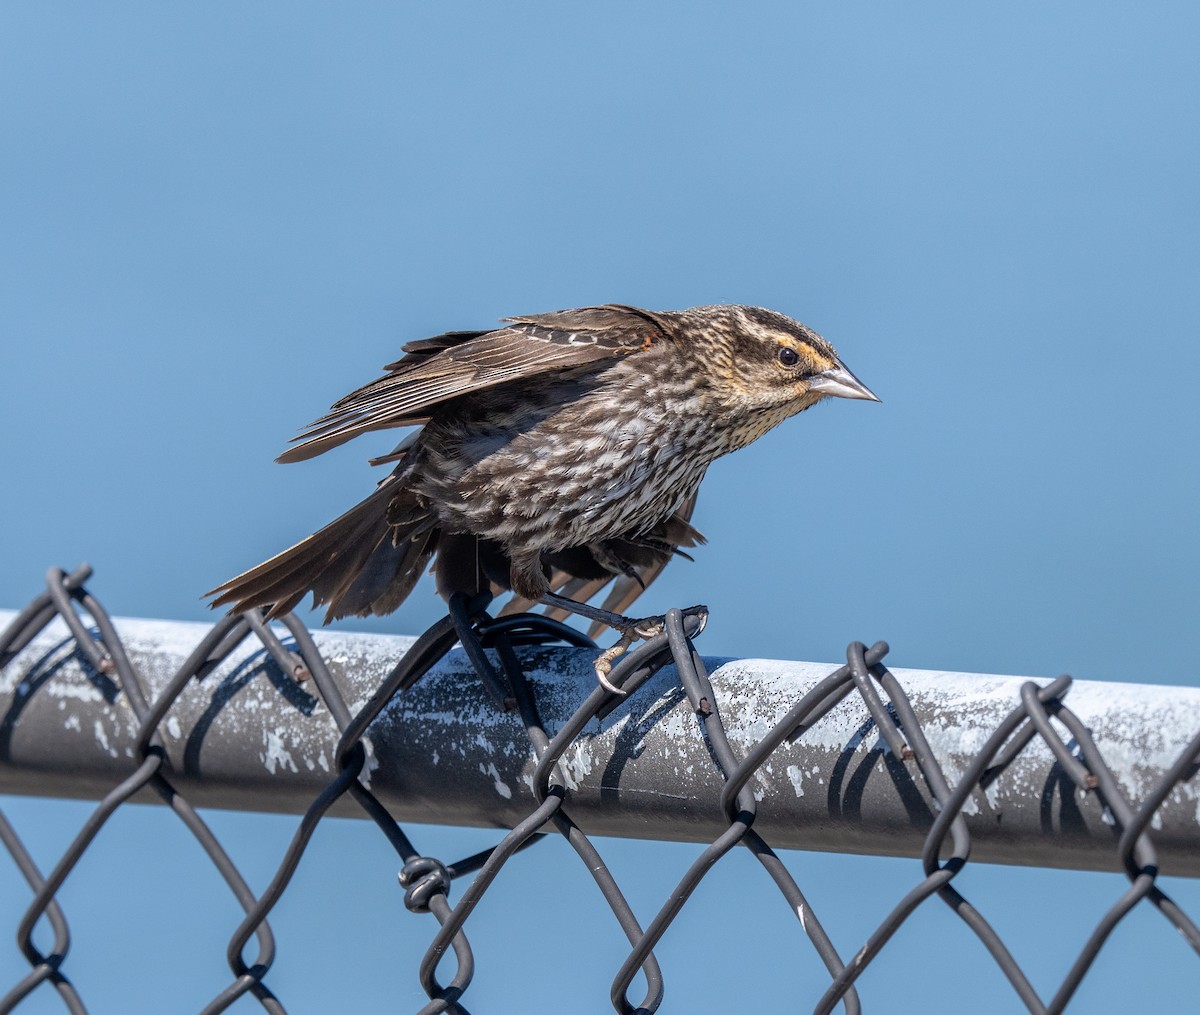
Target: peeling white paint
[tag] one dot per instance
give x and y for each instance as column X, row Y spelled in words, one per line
column 992, row 795
column 102, row 738
column 371, row 765
column 796, row 777
column 500, row 786
column 276, row 755
column 575, row 765
column 79, row 692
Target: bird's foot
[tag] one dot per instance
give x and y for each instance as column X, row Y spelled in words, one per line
column 630, row 631
column 604, row 661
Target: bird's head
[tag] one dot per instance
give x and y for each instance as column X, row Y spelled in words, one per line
column 764, row 364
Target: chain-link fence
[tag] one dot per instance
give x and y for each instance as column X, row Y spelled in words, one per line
column 1027, row 758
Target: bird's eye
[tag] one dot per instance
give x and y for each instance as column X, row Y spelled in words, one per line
column 787, row 356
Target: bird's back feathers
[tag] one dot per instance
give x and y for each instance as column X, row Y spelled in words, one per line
column 459, row 363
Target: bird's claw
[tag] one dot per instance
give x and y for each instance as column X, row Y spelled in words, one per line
column 649, row 627
column 605, row 659
column 645, row 628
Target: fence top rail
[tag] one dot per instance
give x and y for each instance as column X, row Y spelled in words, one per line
column 247, row 736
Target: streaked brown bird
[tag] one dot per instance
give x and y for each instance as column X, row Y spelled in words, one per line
column 555, row 455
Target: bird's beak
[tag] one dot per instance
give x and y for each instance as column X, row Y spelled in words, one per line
column 838, row 382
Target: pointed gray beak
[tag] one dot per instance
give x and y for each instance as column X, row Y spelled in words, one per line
column 841, row 383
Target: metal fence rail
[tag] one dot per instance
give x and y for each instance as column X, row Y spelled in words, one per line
column 761, row 754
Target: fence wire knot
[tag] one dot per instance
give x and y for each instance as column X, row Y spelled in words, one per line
column 423, row 877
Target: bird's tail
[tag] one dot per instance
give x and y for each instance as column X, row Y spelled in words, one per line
column 367, row 561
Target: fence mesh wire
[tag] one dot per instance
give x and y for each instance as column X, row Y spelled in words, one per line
column 1040, row 714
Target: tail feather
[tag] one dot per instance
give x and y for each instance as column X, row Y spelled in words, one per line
column 368, row 560
column 297, row 568
column 379, row 576
column 388, row 578
column 358, row 564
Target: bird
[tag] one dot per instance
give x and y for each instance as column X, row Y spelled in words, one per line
column 553, row 457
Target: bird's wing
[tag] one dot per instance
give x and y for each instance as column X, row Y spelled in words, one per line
column 435, row 370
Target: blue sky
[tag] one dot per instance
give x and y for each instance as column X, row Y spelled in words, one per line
column 216, row 220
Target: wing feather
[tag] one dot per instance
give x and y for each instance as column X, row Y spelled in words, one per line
column 449, row 366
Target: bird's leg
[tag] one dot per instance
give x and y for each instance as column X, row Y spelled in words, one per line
column 464, row 615
column 629, row 629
